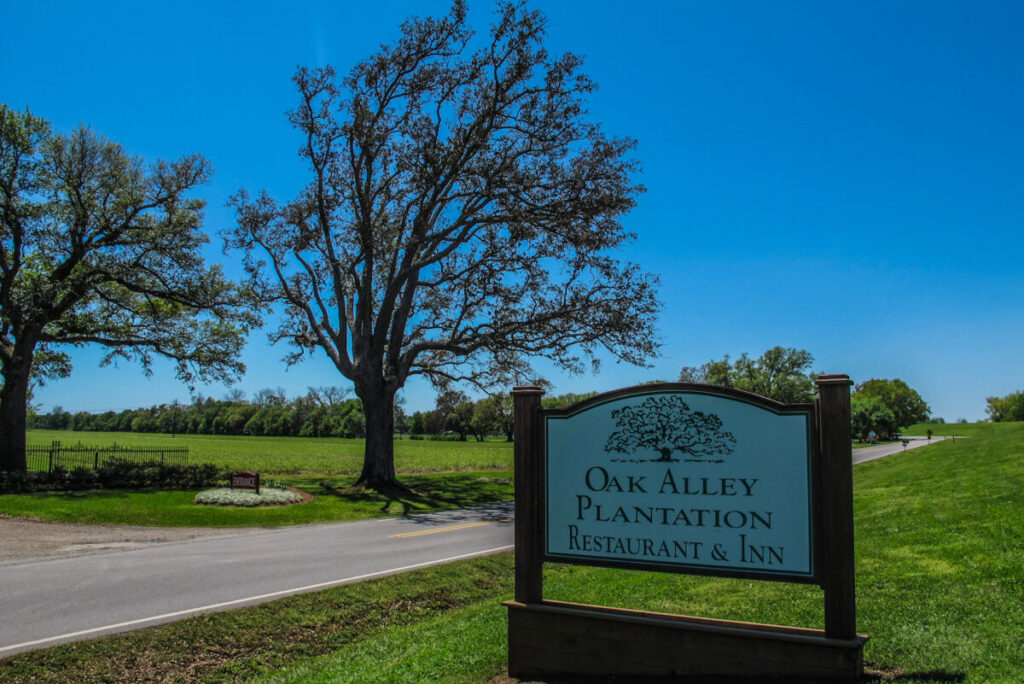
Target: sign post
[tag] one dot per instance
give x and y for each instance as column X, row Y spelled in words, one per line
column 246, row 480
column 837, row 517
column 688, row 479
column 528, row 536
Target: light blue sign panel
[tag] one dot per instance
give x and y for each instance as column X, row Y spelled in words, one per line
column 682, row 480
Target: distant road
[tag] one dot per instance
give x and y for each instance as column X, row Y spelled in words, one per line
column 53, row 601
column 871, row 453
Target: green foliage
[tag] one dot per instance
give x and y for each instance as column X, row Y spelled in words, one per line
column 494, row 414
column 781, row 373
column 565, row 400
column 870, row 414
column 101, row 249
column 1008, row 408
column 906, row 404
column 112, row 475
column 302, row 417
column 96, row 247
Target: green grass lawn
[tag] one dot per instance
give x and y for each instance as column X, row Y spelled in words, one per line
column 949, row 429
column 279, row 455
column 442, row 475
column 334, row 500
column 940, row 590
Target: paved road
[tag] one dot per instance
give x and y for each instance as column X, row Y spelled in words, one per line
column 124, row 590
column 873, row 452
column 121, row 591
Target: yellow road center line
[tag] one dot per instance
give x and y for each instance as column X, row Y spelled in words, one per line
column 435, row 530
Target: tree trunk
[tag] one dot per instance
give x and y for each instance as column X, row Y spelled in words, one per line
column 379, row 456
column 13, row 411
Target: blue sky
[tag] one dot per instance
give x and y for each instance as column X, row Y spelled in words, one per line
column 843, row 177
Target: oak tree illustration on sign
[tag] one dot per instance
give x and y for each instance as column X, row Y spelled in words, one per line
column 666, row 424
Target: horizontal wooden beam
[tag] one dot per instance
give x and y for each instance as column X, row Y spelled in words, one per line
column 553, row 638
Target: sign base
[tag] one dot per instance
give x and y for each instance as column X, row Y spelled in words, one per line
column 555, row 638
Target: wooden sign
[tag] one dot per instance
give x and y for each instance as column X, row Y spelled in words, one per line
column 246, row 480
column 684, row 478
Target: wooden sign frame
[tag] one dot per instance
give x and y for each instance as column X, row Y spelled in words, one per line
column 556, row 638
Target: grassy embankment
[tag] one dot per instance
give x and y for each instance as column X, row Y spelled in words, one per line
column 442, row 475
column 940, row 573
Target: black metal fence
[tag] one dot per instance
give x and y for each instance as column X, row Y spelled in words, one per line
column 79, row 456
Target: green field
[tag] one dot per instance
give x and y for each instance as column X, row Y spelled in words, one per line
column 442, row 475
column 940, row 591
column 290, row 455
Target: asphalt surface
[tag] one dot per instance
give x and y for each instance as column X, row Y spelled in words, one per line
column 871, row 453
column 55, row 601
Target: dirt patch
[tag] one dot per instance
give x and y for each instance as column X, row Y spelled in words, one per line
column 28, row 540
column 306, row 496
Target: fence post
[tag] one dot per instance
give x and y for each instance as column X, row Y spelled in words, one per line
column 96, row 461
column 53, row 445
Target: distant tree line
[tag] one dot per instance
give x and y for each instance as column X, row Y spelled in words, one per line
column 455, row 416
column 1008, row 408
column 879, row 406
column 321, row 412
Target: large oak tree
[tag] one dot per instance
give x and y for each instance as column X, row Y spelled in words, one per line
column 98, row 248
column 460, row 219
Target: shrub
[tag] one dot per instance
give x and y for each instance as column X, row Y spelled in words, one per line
column 113, row 475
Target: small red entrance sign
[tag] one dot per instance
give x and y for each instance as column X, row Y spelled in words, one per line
column 245, row 480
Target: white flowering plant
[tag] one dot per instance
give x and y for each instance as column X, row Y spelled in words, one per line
column 268, row 496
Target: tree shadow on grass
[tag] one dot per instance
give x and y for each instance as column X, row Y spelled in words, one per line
column 83, row 494
column 426, row 493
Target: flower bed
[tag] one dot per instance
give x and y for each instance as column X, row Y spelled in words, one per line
column 268, row 496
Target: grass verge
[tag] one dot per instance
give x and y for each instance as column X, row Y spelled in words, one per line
column 335, row 499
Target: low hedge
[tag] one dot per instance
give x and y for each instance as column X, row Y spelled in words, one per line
column 112, row 475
